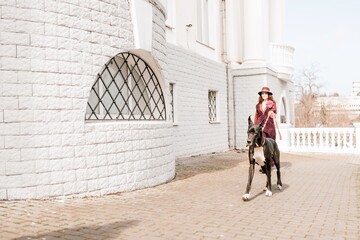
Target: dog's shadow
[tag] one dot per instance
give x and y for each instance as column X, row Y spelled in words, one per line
column 285, row 165
column 275, row 190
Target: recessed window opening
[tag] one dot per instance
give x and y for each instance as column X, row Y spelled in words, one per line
column 283, row 111
column 212, row 106
column 172, row 108
column 203, row 21
column 126, row 89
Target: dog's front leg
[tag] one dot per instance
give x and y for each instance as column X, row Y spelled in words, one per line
column 268, row 183
column 246, row 196
column 277, row 164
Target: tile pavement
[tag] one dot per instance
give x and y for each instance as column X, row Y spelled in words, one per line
column 320, row 200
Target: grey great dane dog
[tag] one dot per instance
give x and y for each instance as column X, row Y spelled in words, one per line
column 261, row 151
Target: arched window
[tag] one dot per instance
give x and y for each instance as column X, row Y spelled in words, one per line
column 126, row 89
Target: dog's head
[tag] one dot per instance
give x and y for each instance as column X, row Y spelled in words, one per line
column 254, row 133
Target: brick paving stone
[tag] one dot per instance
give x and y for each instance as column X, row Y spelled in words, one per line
column 320, row 200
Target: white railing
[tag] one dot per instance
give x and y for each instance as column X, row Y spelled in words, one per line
column 337, row 140
column 322, row 139
column 282, row 57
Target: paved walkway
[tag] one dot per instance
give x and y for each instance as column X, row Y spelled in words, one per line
column 320, row 200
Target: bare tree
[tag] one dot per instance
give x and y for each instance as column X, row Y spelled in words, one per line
column 324, row 114
column 307, row 88
column 309, row 112
column 309, row 80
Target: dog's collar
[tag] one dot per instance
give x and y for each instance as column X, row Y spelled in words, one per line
column 262, row 143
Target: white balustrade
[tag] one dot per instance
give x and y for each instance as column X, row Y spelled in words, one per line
column 323, row 140
column 281, row 55
column 282, row 58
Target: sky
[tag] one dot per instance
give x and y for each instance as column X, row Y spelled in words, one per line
column 326, row 34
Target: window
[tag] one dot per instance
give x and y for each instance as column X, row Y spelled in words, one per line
column 172, row 108
column 203, row 21
column 171, row 12
column 126, row 89
column 170, row 22
column 283, row 111
column 212, row 106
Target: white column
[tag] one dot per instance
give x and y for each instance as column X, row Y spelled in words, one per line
column 276, row 21
column 253, row 31
column 233, row 30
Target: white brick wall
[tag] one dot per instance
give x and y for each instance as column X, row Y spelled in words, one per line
column 51, row 52
column 194, row 76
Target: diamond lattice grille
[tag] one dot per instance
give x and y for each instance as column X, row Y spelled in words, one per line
column 171, row 88
column 126, row 89
column 212, row 106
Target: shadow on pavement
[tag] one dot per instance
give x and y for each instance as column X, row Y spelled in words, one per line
column 275, row 190
column 285, row 165
column 192, row 166
column 108, row 231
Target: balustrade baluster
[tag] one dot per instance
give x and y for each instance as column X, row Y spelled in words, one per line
column 332, row 139
column 298, row 139
column 351, row 144
column 321, row 140
column 343, row 140
column 337, row 140
column 292, row 139
column 327, row 139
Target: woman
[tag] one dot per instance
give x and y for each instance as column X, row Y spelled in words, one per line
column 266, row 112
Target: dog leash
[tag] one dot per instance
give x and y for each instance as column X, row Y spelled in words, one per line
column 276, row 125
column 265, row 122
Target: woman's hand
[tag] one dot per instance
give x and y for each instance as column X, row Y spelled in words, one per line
column 271, row 114
column 269, row 104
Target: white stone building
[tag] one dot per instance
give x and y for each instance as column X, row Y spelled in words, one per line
column 356, row 88
column 349, row 106
column 101, row 96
